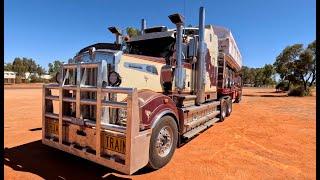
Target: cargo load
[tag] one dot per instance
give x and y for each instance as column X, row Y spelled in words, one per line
column 228, row 46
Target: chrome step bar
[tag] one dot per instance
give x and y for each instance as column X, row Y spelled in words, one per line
column 200, row 128
column 201, row 120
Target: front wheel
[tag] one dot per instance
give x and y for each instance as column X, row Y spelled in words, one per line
column 223, row 109
column 163, row 142
column 229, row 107
column 238, row 98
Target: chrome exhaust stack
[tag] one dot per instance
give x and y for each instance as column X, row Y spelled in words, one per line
column 117, row 33
column 200, row 64
column 178, row 20
column 143, row 25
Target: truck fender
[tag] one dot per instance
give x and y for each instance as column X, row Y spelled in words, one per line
column 157, row 118
column 155, row 105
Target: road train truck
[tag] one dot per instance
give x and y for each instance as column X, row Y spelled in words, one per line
column 131, row 103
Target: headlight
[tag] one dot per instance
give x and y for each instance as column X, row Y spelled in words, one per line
column 122, row 117
column 114, row 79
column 122, row 114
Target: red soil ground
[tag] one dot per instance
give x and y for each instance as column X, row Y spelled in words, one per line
column 267, row 136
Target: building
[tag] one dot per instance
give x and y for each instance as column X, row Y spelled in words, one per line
column 46, row 76
column 9, row 77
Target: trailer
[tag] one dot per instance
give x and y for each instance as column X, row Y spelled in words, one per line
column 131, row 103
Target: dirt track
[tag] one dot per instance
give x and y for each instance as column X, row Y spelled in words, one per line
column 268, row 136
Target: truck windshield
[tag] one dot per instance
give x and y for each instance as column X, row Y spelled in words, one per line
column 158, row 47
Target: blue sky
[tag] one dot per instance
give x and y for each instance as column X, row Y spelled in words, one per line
column 46, row 30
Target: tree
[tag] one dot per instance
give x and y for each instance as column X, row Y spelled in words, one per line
column 54, row 67
column 312, row 48
column 132, row 32
column 267, row 73
column 40, row 70
column 258, row 78
column 7, row 67
column 30, row 64
column 19, row 66
column 283, row 64
column 305, row 67
column 248, row 75
column 298, row 65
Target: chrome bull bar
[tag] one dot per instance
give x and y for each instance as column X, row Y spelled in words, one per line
column 137, row 142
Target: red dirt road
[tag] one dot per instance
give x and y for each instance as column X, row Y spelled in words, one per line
column 267, row 136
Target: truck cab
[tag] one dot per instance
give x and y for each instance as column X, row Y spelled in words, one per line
column 131, row 103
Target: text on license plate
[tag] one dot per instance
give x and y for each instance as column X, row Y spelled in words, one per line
column 116, row 144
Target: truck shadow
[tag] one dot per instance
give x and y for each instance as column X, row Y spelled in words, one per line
column 50, row 163
column 266, row 95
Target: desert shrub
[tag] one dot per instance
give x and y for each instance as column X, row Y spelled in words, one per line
column 298, row 91
column 283, row 86
column 35, row 79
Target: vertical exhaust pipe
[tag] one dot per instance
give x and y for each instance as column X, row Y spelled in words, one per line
column 178, row 20
column 200, row 64
column 117, row 33
column 143, row 25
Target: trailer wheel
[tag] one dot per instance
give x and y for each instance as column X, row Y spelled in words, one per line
column 229, row 107
column 163, row 142
column 223, row 109
column 238, row 98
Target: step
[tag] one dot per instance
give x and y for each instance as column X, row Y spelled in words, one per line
column 201, row 107
column 194, row 131
column 200, row 128
column 211, row 122
column 202, row 119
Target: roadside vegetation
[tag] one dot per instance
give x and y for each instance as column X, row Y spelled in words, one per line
column 295, row 66
column 24, row 65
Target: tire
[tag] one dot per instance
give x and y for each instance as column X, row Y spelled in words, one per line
column 229, row 107
column 160, row 157
column 238, row 99
column 223, row 109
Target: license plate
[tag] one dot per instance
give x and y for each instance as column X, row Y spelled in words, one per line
column 52, row 127
column 116, row 144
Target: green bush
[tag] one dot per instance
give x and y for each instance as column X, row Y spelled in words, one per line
column 297, row 91
column 283, row 86
column 35, row 79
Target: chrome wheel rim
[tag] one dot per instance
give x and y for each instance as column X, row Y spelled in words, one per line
column 223, row 109
column 164, row 141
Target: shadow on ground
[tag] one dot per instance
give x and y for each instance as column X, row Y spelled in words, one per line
column 277, row 92
column 50, row 163
column 266, row 95
column 35, row 129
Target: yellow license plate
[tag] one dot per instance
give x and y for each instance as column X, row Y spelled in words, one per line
column 52, row 127
column 116, row 144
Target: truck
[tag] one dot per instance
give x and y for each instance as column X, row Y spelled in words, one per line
column 131, row 103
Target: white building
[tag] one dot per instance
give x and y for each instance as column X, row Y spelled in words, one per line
column 46, row 76
column 9, row 77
